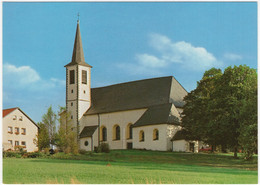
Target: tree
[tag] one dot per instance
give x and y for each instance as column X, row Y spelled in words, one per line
column 49, row 120
column 222, row 109
column 42, row 140
column 66, row 138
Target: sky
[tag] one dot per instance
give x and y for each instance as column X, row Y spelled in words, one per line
column 122, row 41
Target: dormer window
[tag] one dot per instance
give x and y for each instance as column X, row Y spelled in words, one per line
column 14, row 117
column 20, row 118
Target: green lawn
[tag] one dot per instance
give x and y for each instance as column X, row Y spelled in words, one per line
column 131, row 166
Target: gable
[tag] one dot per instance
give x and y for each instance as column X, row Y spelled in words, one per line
column 136, row 95
column 7, row 112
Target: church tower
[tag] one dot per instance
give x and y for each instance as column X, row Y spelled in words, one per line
column 78, row 97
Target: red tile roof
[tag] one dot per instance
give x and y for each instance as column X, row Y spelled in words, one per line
column 7, row 111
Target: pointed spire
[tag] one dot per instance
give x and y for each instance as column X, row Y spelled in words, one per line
column 78, row 54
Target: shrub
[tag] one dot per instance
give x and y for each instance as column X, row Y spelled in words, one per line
column 11, row 154
column 34, row 155
column 83, row 152
column 104, row 147
column 97, row 149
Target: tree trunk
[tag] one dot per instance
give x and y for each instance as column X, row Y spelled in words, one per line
column 235, row 152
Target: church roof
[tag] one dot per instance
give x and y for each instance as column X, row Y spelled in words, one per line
column 78, row 54
column 88, row 131
column 137, row 95
column 165, row 113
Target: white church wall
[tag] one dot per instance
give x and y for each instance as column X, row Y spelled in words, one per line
column 83, row 91
column 109, row 120
column 180, row 146
column 162, row 144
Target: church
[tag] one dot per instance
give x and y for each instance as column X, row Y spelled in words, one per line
column 143, row 114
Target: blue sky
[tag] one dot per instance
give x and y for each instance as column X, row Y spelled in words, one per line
column 122, row 41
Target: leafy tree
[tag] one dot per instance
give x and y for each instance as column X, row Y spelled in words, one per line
column 222, row 109
column 66, row 138
column 42, row 140
column 49, row 120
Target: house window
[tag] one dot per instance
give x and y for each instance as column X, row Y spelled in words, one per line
column 72, row 76
column 116, row 132
column 71, row 103
column 23, row 143
column 84, row 77
column 104, row 134
column 16, row 143
column 16, row 130
column 129, row 131
column 14, row 117
column 20, row 118
column 141, row 136
column 10, row 130
column 23, row 131
column 10, row 142
column 155, row 134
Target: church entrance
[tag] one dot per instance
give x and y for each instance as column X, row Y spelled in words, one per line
column 192, row 147
column 129, row 145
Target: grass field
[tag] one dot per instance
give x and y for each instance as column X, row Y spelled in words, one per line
column 131, row 166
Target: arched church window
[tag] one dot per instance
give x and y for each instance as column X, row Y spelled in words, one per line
column 141, row 136
column 155, row 134
column 104, row 134
column 116, row 132
column 129, row 131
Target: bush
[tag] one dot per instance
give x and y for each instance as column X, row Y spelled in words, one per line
column 104, row 147
column 33, row 155
column 83, row 152
column 12, row 154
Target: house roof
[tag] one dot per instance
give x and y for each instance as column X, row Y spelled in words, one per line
column 88, row 131
column 78, row 54
column 165, row 113
column 8, row 111
column 136, row 95
column 179, row 135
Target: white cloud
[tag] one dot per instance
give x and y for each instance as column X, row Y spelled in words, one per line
column 21, row 75
column 184, row 53
column 147, row 60
column 232, row 56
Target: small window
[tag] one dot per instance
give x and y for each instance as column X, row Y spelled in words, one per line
column 71, row 103
column 84, row 77
column 10, row 142
column 16, row 143
column 10, row 130
column 71, row 117
column 16, row 130
column 23, row 143
column 14, row 117
column 155, row 134
column 104, row 134
column 86, row 143
column 71, row 90
column 23, row 131
column 116, row 132
column 84, row 92
column 141, row 136
column 20, row 118
column 72, row 76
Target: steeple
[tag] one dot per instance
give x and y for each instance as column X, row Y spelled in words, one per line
column 78, row 55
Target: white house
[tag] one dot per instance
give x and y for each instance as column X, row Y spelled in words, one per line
column 19, row 130
column 142, row 114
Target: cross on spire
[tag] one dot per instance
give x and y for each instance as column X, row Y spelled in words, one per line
column 78, row 17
